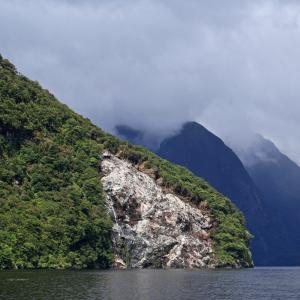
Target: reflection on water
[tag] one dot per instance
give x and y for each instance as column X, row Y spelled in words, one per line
column 258, row 283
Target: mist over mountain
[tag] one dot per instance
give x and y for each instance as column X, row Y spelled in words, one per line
column 138, row 137
column 277, row 178
column 154, row 64
column 262, row 190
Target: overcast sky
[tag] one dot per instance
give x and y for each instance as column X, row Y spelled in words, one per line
column 234, row 66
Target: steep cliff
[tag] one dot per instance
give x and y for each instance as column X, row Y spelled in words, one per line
column 57, row 185
column 152, row 226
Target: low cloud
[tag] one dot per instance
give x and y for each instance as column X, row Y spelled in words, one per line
column 232, row 65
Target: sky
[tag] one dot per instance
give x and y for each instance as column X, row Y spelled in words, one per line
column 233, row 66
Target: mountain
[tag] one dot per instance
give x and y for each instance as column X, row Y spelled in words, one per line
column 206, row 155
column 73, row 196
column 278, row 178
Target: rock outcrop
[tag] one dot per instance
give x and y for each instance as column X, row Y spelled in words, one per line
column 153, row 227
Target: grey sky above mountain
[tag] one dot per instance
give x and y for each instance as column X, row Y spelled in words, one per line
column 232, row 65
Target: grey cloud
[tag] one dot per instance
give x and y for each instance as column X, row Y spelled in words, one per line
column 232, row 65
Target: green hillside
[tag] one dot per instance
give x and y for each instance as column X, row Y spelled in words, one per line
column 52, row 210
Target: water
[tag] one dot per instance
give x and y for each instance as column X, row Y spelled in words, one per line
column 258, row 283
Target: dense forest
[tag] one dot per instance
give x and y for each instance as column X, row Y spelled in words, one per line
column 52, row 207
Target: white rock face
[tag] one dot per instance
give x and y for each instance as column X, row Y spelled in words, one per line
column 153, row 228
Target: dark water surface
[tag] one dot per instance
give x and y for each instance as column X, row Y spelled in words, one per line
column 258, row 283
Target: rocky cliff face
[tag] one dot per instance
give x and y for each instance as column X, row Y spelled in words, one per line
column 153, row 228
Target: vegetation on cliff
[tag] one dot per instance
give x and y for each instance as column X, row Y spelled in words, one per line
column 52, row 209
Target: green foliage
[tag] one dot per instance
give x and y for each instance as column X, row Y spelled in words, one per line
column 52, row 213
column 52, row 210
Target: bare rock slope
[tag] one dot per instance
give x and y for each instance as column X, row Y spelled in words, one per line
column 153, row 228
